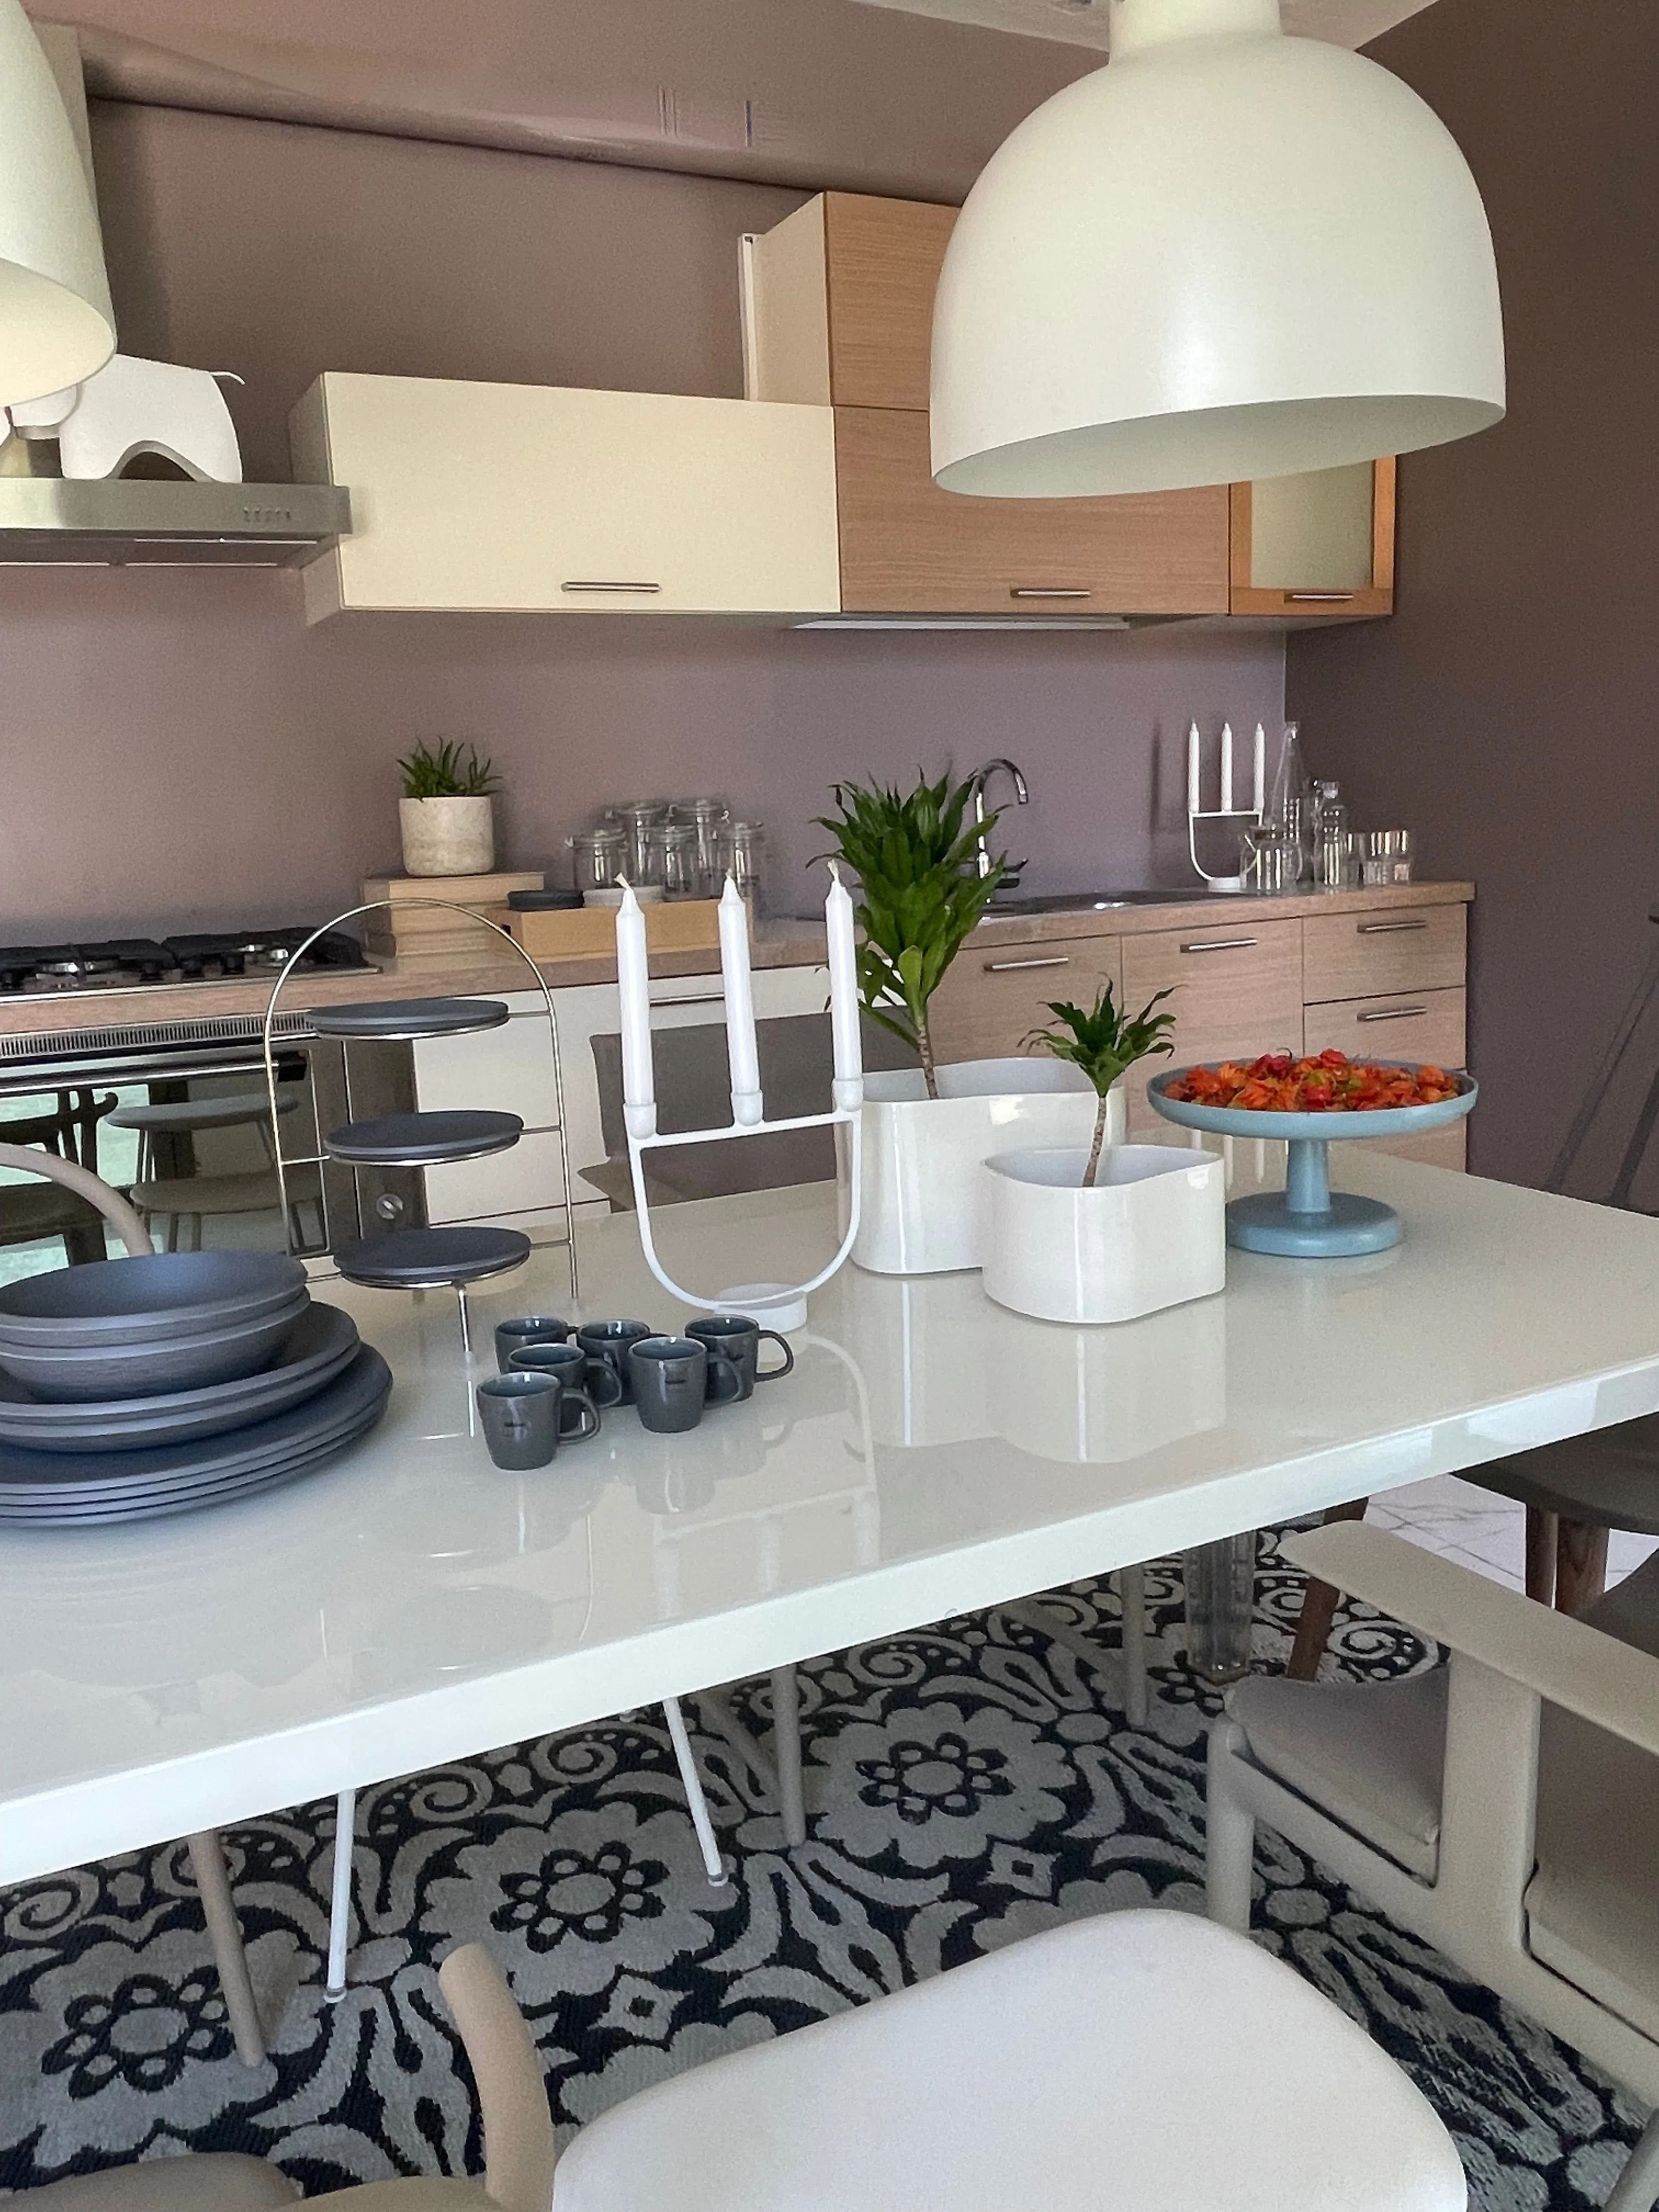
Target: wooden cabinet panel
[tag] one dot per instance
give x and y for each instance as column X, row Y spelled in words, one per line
column 1361, row 955
column 883, row 259
column 538, row 499
column 1315, row 545
column 993, row 996
column 907, row 546
column 1403, row 1025
column 1238, row 992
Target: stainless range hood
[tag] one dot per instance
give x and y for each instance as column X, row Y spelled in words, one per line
column 120, row 522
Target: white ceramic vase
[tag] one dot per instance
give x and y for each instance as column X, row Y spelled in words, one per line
column 448, row 836
column 1150, row 1231
column 920, row 1203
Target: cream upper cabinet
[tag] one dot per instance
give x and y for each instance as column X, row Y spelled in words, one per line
column 536, row 499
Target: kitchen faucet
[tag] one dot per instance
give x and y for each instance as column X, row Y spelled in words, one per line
column 977, row 784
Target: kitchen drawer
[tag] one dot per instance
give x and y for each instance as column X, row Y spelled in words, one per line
column 505, row 1071
column 1400, row 1025
column 1238, row 992
column 993, row 996
column 1359, row 955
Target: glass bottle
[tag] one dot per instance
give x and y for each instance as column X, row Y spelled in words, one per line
column 1289, row 805
column 1330, row 830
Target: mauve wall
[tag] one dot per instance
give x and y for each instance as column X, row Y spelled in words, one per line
column 1507, row 711
column 177, row 748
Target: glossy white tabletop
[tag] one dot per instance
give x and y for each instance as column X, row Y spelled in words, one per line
column 930, row 1454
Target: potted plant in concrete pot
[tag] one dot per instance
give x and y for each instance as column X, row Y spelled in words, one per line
column 1103, row 1231
column 445, row 815
column 925, row 1129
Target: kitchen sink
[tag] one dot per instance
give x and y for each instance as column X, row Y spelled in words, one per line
column 1083, row 901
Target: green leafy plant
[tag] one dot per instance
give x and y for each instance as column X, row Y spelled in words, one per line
column 445, row 773
column 1105, row 1044
column 916, row 857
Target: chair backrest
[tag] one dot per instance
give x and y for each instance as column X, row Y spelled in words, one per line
column 518, row 2126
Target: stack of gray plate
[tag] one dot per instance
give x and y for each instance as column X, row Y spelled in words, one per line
column 133, row 1388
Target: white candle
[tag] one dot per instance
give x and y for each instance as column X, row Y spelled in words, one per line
column 634, row 989
column 1193, row 741
column 843, row 996
column 1260, row 801
column 1226, row 767
column 747, row 1106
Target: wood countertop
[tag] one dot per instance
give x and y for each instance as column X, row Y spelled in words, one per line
column 782, row 943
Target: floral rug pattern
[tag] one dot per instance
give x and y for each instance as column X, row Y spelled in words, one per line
column 967, row 1785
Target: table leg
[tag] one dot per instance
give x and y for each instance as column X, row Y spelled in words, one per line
column 339, row 1907
column 1542, row 1537
column 1220, row 1581
column 1319, row 1603
column 1581, row 1565
column 225, row 1935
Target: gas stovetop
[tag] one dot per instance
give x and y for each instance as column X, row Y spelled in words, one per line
column 142, row 963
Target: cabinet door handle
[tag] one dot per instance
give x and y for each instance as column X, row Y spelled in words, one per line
column 1388, row 928
column 579, row 584
column 1008, row 967
column 1393, row 1014
column 1221, row 945
column 1048, row 592
column 1319, row 599
column 693, row 998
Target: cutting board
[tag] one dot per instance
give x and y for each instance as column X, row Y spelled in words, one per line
column 422, row 931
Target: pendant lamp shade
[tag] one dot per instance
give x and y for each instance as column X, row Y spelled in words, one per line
column 1230, row 254
column 56, row 327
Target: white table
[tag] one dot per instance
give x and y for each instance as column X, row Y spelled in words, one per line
column 931, row 1454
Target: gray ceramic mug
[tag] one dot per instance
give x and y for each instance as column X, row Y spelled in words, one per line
column 608, row 1340
column 523, row 1419
column 576, row 1369
column 737, row 1337
column 512, row 1336
column 673, row 1376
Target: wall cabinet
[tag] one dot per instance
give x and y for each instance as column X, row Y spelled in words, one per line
column 536, row 499
column 838, row 303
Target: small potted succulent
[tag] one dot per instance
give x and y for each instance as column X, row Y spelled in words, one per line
column 1103, row 1231
column 925, row 1129
column 445, row 815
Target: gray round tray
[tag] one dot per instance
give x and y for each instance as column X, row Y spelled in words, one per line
column 324, row 1342
column 405, row 1020
column 413, row 1140
column 35, row 1486
column 431, row 1259
column 159, row 1294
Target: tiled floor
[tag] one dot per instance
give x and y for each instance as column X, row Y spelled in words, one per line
column 1479, row 1529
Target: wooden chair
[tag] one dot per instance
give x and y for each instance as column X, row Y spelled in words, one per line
column 32, row 1213
column 1505, row 1808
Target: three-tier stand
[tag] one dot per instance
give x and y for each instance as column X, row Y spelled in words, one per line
column 456, row 1255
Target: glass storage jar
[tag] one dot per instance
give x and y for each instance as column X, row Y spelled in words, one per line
column 598, row 857
column 742, row 849
column 681, row 877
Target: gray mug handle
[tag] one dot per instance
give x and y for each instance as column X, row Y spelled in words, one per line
column 723, row 1383
column 776, row 1374
column 605, row 1382
column 587, row 1423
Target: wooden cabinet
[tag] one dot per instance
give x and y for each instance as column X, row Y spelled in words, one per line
column 1316, row 547
column 1401, row 1025
column 1397, row 948
column 534, row 498
column 992, row 998
column 1236, row 991
column 907, row 547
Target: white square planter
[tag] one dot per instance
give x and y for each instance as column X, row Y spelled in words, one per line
column 1150, row 1232
column 920, row 1208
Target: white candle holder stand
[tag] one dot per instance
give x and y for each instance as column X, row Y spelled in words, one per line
column 1246, row 818
column 783, row 1304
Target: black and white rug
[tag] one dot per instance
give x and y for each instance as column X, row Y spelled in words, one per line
column 970, row 1783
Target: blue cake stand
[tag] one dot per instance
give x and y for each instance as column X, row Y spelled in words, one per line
column 1308, row 1220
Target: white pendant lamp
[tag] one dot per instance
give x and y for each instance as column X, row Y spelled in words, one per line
column 56, row 327
column 1229, row 254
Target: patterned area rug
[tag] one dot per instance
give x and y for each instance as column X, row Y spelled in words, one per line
column 968, row 1784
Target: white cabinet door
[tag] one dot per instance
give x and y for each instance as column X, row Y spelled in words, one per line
column 534, row 498
column 508, row 1071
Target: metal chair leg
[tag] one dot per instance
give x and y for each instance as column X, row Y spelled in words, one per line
column 225, row 1934
column 706, row 1844
column 786, row 1752
column 339, row 1907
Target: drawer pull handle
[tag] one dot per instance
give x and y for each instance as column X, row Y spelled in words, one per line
column 1008, row 967
column 1048, row 592
column 1319, row 599
column 582, row 585
column 1388, row 928
column 1221, row 945
column 1393, row 1014
column 693, row 998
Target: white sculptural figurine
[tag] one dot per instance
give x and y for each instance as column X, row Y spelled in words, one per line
column 132, row 406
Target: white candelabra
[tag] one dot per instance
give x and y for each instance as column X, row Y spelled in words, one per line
column 783, row 1302
column 1241, row 817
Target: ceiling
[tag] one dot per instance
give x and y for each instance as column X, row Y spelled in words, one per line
column 1085, row 22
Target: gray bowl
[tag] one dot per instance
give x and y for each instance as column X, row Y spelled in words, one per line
column 160, row 1295
column 145, row 1368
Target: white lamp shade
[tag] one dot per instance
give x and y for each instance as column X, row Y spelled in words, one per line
column 56, row 327
column 1230, row 254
